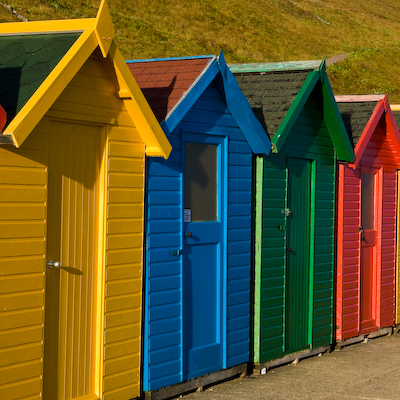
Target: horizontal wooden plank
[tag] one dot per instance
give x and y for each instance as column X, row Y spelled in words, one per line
column 120, row 364
column 117, row 303
column 22, row 247
column 127, row 286
column 22, row 229
column 23, row 193
column 19, row 354
column 122, row 348
column 21, row 389
column 129, row 392
column 126, row 149
column 122, row 318
column 121, row 379
column 20, row 372
column 117, row 164
column 124, row 226
column 21, row 265
column 20, row 301
column 127, row 134
column 126, row 195
column 125, row 180
column 20, row 336
column 21, row 318
column 11, row 211
column 124, row 256
column 124, row 332
column 21, row 283
column 20, row 176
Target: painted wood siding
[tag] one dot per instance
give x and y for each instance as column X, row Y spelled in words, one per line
column 378, row 154
column 163, row 347
column 23, row 179
column 308, row 139
column 90, row 96
column 92, row 93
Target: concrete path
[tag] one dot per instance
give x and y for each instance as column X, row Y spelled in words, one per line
column 362, row 371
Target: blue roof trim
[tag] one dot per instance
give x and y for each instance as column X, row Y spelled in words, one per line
column 242, row 113
column 190, row 97
column 235, row 100
column 169, row 59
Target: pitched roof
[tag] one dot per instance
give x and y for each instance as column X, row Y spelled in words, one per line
column 172, row 86
column 277, row 92
column 42, row 59
column 271, row 95
column 356, row 116
column 164, row 82
column 362, row 114
column 25, row 62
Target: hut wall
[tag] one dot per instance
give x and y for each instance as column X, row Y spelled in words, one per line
column 89, row 98
column 378, row 154
column 163, row 313
column 308, row 139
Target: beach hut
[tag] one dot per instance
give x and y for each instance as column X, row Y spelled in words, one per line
column 366, row 220
column 396, row 113
column 294, row 208
column 198, row 227
column 72, row 157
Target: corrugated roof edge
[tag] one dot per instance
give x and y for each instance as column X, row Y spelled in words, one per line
column 168, row 59
column 276, row 66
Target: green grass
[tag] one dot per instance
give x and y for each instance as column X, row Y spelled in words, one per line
column 253, row 31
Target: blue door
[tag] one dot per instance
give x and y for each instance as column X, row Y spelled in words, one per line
column 203, row 254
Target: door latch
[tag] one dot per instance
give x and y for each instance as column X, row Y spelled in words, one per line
column 286, row 211
column 176, row 252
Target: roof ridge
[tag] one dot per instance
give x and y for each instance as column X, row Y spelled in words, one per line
column 170, row 59
column 276, row 66
column 359, row 98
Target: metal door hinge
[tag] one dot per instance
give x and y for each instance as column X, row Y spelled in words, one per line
column 176, row 252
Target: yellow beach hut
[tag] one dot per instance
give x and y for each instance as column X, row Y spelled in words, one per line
column 71, row 211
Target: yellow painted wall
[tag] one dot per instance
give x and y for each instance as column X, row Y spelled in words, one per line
column 89, row 97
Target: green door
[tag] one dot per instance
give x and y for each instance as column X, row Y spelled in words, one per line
column 297, row 306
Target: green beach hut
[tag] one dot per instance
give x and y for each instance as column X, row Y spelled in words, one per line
column 294, row 207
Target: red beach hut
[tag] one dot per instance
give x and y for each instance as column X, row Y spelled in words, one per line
column 366, row 220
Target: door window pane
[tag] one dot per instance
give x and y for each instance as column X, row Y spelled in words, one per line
column 201, row 181
column 368, row 201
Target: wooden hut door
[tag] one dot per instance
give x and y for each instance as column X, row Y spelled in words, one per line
column 368, row 234
column 297, row 307
column 71, row 273
column 203, row 255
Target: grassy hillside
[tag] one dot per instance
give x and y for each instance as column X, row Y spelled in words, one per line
column 254, row 31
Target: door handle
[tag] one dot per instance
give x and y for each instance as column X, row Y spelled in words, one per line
column 188, row 234
column 55, row 264
column 289, row 249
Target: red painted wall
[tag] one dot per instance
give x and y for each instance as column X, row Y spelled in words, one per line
column 378, row 154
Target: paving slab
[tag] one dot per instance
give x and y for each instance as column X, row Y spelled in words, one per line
column 364, row 371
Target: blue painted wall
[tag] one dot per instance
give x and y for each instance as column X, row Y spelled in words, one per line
column 162, row 364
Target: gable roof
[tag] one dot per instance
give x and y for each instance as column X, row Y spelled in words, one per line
column 277, row 93
column 361, row 115
column 172, row 86
column 165, row 81
column 42, row 59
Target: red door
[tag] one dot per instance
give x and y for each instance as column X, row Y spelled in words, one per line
column 368, row 259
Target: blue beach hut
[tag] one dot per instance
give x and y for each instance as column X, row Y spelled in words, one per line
column 197, row 294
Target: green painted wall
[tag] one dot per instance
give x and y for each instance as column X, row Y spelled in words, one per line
column 308, row 139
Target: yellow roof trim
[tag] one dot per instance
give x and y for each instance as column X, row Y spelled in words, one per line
column 32, row 27
column 152, row 134
column 97, row 31
column 48, row 92
column 104, row 29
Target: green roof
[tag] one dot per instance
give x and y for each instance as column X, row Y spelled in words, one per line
column 25, row 62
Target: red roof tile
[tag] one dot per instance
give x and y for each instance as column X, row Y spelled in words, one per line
column 164, row 82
